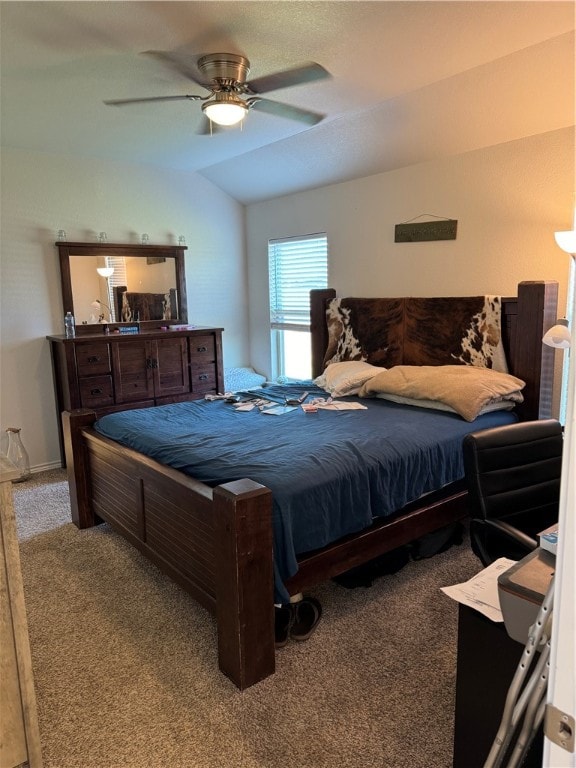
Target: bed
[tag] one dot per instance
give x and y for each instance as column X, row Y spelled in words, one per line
column 216, row 539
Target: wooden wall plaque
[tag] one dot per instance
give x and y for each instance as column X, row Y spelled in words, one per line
column 425, row 230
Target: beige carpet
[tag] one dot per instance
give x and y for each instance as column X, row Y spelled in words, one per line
column 126, row 675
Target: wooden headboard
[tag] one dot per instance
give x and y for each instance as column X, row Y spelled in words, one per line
column 525, row 319
column 144, row 306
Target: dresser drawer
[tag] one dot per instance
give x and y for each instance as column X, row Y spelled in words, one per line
column 92, row 359
column 203, row 378
column 202, row 348
column 96, row 391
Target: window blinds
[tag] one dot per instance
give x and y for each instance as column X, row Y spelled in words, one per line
column 297, row 265
column 118, row 277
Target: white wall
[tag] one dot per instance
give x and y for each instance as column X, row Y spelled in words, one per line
column 508, row 199
column 44, row 193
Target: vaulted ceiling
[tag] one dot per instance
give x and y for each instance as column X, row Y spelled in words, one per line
column 410, row 82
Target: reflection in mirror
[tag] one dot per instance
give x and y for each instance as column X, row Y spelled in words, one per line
column 122, row 283
column 123, row 288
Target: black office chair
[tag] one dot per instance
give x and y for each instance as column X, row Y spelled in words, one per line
column 513, row 477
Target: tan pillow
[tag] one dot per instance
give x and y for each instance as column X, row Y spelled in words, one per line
column 465, row 388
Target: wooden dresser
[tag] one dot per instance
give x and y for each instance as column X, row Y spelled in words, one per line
column 114, row 372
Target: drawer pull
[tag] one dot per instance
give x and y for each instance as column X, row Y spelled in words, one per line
column 201, row 349
column 93, row 359
column 203, row 377
column 96, row 391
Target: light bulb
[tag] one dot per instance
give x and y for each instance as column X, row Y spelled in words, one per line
column 566, row 240
column 225, row 109
column 558, row 336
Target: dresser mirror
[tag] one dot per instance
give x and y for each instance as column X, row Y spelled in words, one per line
column 121, row 283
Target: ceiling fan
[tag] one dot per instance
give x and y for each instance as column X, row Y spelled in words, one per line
column 231, row 96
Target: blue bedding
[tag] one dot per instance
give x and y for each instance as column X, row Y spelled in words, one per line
column 330, row 472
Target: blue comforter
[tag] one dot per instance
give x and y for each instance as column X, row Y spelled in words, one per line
column 330, row 472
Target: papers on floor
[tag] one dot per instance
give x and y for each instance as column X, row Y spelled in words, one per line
column 481, row 591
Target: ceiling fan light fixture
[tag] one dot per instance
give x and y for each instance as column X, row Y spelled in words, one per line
column 225, row 109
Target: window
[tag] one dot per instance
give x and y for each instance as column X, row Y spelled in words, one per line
column 296, row 266
column 118, row 277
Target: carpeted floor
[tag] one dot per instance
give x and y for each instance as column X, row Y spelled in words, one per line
column 41, row 503
column 126, row 675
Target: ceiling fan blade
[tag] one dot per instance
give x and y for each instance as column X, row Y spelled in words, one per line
column 122, row 102
column 179, row 64
column 286, row 110
column 306, row 73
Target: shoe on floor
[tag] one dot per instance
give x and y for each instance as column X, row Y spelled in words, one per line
column 283, row 618
column 307, row 614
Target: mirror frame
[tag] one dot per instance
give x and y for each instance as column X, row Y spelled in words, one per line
column 176, row 252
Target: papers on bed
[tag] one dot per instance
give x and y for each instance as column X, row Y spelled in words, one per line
column 279, row 410
column 279, row 405
column 273, row 409
column 244, row 406
column 481, row 591
column 340, row 405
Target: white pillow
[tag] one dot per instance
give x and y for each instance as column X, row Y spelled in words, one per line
column 242, row 378
column 341, row 379
column 502, row 405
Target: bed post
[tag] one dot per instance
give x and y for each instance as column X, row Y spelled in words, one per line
column 77, row 466
column 318, row 327
column 531, row 360
column 244, row 581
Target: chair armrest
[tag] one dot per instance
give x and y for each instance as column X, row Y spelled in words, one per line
column 513, row 533
column 501, row 529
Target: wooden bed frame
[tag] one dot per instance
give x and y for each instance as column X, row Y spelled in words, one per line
column 217, row 542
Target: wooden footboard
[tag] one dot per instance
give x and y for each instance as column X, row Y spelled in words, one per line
column 215, row 543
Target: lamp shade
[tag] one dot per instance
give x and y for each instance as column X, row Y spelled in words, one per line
column 566, row 240
column 105, row 271
column 225, row 109
column 558, row 336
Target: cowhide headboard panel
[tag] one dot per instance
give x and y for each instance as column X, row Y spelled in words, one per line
column 416, row 331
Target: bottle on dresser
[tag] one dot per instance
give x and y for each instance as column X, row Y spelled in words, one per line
column 69, row 325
